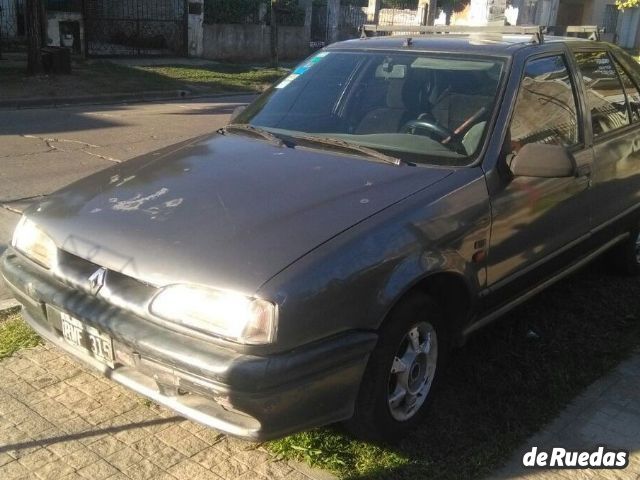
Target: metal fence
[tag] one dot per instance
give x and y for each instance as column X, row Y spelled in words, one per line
column 12, row 22
column 401, row 16
column 136, row 27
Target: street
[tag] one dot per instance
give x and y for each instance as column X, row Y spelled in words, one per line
column 42, row 150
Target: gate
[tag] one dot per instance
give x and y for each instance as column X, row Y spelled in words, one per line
column 319, row 25
column 136, row 27
column 12, row 22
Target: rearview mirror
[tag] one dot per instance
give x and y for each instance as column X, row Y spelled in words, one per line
column 543, row 161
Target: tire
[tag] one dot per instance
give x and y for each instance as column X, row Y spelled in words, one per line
column 624, row 258
column 381, row 412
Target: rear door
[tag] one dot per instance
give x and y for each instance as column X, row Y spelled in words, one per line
column 613, row 106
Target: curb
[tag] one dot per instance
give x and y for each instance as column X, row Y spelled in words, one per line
column 142, row 97
column 8, row 304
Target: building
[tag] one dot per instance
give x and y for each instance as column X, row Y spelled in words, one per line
column 621, row 26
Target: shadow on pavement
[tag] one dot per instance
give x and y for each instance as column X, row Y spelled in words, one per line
column 89, row 433
column 51, row 121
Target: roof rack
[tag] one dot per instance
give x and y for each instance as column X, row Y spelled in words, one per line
column 594, row 30
column 536, row 30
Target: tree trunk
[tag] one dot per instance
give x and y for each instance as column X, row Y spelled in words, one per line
column 34, row 36
column 274, row 35
column 333, row 19
column 431, row 15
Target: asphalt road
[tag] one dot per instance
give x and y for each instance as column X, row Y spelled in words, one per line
column 42, row 150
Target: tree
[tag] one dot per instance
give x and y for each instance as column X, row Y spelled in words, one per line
column 274, row 33
column 622, row 4
column 35, row 35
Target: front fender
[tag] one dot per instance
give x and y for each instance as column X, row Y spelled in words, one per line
column 352, row 281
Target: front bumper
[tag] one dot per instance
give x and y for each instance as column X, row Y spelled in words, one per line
column 248, row 396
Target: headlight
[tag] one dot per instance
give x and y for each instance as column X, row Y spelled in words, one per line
column 226, row 314
column 34, row 243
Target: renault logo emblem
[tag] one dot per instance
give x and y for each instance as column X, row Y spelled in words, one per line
column 96, row 280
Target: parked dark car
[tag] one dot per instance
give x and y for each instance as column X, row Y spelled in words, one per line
column 316, row 260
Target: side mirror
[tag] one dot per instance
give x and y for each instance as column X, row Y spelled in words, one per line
column 543, row 161
column 236, row 112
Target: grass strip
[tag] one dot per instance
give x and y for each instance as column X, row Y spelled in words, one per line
column 15, row 334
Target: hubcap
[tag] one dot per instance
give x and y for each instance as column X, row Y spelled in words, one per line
column 412, row 371
column 638, row 248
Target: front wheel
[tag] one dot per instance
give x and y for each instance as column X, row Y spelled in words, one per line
column 402, row 371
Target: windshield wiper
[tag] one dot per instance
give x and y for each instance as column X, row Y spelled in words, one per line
column 257, row 131
column 335, row 142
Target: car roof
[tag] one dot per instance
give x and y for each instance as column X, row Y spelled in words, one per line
column 474, row 43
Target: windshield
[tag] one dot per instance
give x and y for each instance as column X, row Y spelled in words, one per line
column 421, row 107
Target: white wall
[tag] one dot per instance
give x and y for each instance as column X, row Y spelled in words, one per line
column 53, row 27
column 196, row 32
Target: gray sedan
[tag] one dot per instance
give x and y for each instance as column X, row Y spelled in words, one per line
column 317, row 260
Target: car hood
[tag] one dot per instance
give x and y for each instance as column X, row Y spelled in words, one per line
column 227, row 211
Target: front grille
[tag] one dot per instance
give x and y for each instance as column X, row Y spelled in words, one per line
column 117, row 289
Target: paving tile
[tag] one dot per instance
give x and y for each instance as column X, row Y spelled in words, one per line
column 37, row 459
column 230, row 469
column 13, row 471
column 188, row 469
column 273, row 469
column 106, row 446
column 5, row 458
column 251, row 475
column 53, row 470
column 188, row 445
column 131, row 435
column 210, row 436
column 80, row 458
column 122, row 459
column 167, row 457
column 210, row 457
column 98, row 470
column 148, row 446
column 143, row 470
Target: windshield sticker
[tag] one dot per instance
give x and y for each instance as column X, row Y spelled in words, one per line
column 302, row 69
column 287, row 80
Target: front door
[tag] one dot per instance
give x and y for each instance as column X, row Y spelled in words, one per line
column 537, row 220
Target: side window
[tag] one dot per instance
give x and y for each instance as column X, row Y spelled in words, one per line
column 630, row 89
column 605, row 97
column 546, row 109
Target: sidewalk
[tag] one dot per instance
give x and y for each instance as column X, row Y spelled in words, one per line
column 60, row 421
column 607, row 413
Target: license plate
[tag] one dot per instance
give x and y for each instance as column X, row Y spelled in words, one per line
column 87, row 338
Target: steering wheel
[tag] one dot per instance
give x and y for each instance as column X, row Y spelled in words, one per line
column 432, row 129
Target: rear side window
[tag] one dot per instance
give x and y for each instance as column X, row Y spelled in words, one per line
column 546, row 109
column 630, row 89
column 605, row 97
